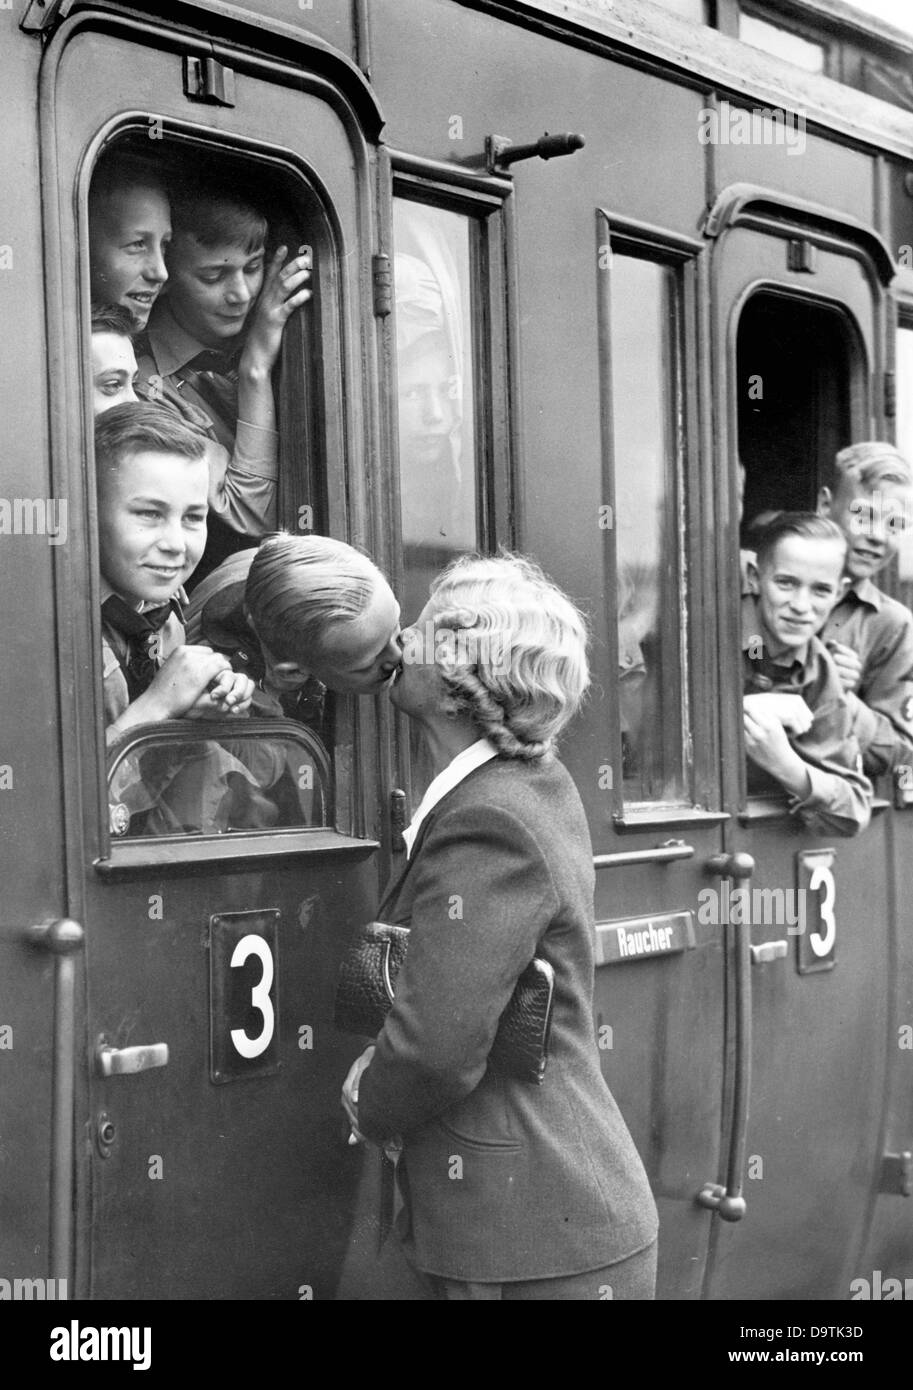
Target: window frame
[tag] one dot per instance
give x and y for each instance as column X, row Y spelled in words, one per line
column 699, row 677
column 326, row 421
column 487, row 202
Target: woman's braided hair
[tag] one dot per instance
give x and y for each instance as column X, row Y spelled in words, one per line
column 515, row 661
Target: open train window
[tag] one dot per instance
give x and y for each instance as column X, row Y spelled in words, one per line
column 795, row 401
column 647, row 413
column 183, row 235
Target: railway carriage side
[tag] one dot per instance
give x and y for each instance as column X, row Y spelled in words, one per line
column 571, row 357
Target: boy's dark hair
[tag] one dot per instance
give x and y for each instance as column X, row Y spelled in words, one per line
column 807, row 525
column 141, row 427
column 113, row 318
column 216, row 216
column 119, row 169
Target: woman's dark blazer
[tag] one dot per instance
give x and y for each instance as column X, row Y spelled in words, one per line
column 502, row 1180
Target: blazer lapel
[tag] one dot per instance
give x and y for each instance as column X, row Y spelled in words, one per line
column 398, row 877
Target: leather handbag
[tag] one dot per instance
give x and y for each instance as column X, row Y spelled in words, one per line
column 365, row 989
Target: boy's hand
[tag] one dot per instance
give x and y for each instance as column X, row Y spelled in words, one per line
column 284, row 290
column 791, row 710
column 181, row 681
column 767, row 745
column 230, row 693
column 848, row 663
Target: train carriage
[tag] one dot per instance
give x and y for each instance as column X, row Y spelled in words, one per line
column 721, row 273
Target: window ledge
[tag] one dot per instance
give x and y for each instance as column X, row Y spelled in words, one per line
column 642, row 818
column 168, row 851
column 773, row 808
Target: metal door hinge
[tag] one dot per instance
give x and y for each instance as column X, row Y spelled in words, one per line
column 382, row 272
column 206, row 79
column 802, row 255
column 43, row 15
column 897, row 1174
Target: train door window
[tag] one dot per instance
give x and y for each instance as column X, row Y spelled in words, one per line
column 904, row 378
column 647, row 420
column 436, row 389
column 194, row 315
column 795, row 402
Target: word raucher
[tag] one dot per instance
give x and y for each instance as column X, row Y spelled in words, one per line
column 34, row 516
column 764, row 125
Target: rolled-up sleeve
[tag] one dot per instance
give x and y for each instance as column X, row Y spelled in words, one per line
column 883, row 705
column 242, row 486
column 483, row 898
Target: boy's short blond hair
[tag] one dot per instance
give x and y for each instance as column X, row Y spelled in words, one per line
column 870, row 464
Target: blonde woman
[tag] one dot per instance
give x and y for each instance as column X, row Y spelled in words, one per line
column 510, row 1190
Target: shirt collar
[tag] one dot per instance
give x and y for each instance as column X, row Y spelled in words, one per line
column 105, row 591
column 455, row 772
column 753, row 632
column 866, row 592
column 172, row 346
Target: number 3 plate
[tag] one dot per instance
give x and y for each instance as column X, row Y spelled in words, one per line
column 817, row 944
column 243, row 995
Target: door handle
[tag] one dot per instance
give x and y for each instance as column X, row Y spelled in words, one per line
column 127, row 1061
column 728, row 1200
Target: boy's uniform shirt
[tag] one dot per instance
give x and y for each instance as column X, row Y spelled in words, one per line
column 881, row 630
column 840, row 796
column 243, row 458
column 118, row 648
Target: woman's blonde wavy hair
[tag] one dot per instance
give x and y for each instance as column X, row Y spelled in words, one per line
column 517, row 664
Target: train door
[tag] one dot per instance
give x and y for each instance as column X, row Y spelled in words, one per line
column 213, row 1160
column 798, row 322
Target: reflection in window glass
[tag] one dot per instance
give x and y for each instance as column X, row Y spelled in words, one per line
column 904, row 377
column 182, row 784
column 647, row 500
column 437, row 463
column 781, row 43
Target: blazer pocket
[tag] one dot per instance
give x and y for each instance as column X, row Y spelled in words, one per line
column 482, row 1144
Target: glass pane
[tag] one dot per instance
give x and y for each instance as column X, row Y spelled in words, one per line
column 781, row 43
column 645, row 406
column 179, row 783
column 895, row 12
column 904, row 377
column 437, row 462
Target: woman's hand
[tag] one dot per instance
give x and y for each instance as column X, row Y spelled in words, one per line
column 350, row 1093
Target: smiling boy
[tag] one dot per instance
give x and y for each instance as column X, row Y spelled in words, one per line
column 212, row 343
column 798, row 722
column 129, row 231
column 152, row 486
column 869, row 634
